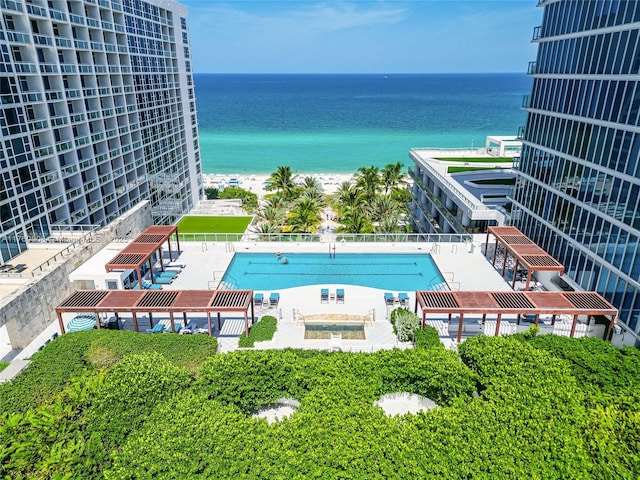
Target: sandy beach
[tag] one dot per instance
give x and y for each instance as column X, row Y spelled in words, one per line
column 256, row 183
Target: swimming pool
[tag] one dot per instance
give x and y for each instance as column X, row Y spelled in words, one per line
column 399, row 272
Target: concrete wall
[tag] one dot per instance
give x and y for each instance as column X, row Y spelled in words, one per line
column 31, row 309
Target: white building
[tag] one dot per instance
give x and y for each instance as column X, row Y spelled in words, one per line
column 462, row 190
column 97, row 112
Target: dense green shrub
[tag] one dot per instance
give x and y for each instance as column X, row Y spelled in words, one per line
column 599, row 367
column 249, row 379
column 427, row 338
column 131, row 392
column 145, row 417
column 75, row 354
column 49, row 440
column 262, row 331
column 3, row 365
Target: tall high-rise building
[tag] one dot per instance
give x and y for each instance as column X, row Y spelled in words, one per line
column 97, row 113
column 578, row 193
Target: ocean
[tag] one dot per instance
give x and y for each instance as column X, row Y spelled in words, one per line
column 339, row 123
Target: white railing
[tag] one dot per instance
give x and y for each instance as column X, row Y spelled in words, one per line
column 464, row 198
column 340, row 238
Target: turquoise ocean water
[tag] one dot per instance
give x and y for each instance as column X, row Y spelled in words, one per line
column 338, row 123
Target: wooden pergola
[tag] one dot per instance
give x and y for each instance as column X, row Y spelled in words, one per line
column 525, row 252
column 142, row 249
column 573, row 304
column 158, row 301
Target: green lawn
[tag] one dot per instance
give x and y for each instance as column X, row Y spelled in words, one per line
column 204, row 224
column 476, row 160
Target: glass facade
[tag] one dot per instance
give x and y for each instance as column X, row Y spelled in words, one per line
column 578, row 188
column 97, row 113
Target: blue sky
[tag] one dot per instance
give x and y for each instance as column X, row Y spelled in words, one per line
column 429, row 36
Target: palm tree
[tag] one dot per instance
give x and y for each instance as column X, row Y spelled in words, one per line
column 392, row 177
column 266, row 229
column 305, row 216
column 311, row 182
column 354, row 221
column 368, row 180
column 390, row 225
column 349, row 197
column 384, row 207
column 283, row 180
column 271, row 215
column 276, row 200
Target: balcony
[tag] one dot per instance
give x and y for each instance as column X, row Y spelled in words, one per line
column 35, row 10
column 60, row 120
column 81, row 141
column 42, row 40
column 32, row 97
column 531, row 69
column 521, row 132
column 17, row 37
column 48, row 68
column 76, row 19
column 86, row 164
column 526, row 101
column 43, row 152
column 69, row 170
column 23, row 67
column 54, row 95
column 38, row 125
column 77, row 118
column 11, row 5
column 64, row 146
column 57, row 15
column 67, row 68
column 93, row 207
column 73, row 93
column 49, row 177
column 64, row 43
column 55, row 201
column 537, row 33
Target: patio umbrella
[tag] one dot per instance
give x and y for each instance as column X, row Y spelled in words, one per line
column 81, row 322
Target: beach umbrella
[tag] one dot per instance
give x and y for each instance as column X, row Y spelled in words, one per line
column 81, row 322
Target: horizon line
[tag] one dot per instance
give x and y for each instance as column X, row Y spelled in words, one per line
column 360, row 73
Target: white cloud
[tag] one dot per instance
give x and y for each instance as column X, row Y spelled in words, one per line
column 310, row 17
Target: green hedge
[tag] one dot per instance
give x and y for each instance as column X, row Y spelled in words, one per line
column 427, row 338
column 512, row 408
column 262, row 331
column 76, row 354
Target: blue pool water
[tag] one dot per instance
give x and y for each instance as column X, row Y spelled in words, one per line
column 399, row 272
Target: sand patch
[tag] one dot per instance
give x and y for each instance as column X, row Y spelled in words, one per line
column 283, row 408
column 403, row 403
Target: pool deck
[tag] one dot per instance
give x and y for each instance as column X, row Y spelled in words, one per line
column 462, row 268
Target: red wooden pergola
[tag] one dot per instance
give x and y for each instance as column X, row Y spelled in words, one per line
column 519, row 303
column 525, row 252
column 158, row 301
column 142, row 248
